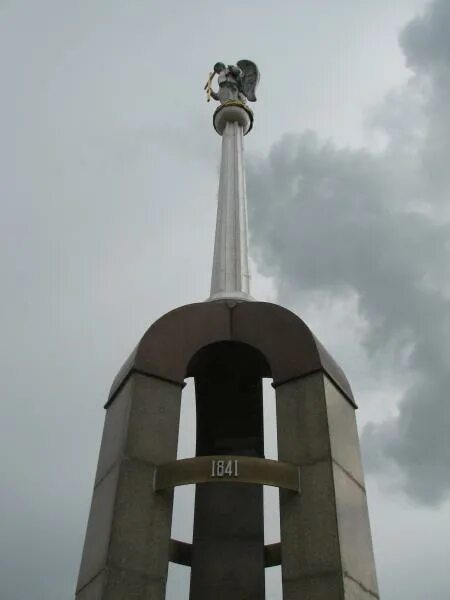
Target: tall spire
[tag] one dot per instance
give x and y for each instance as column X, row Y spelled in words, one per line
column 232, row 120
column 230, row 273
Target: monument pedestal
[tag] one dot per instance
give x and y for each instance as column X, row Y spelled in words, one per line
column 325, row 548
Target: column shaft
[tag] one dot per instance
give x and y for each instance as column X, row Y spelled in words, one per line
column 228, row 540
column 230, row 276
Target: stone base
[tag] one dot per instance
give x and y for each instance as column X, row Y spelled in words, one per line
column 228, row 347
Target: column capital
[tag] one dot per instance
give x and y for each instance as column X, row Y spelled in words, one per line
column 233, row 111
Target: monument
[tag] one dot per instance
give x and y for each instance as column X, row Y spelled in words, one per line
column 228, row 344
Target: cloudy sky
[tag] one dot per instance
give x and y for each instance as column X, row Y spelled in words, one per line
column 108, row 178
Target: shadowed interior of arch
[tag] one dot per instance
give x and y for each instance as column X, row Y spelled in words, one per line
column 229, row 519
column 229, row 399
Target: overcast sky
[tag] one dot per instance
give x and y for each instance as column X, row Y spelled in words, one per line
column 108, row 180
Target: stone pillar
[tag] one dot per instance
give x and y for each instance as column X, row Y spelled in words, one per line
column 228, row 545
column 326, row 544
column 126, row 548
column 228, row 537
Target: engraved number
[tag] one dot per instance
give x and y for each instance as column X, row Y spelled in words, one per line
column 224, row 468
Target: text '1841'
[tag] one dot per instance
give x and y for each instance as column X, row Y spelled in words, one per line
column 224, row 468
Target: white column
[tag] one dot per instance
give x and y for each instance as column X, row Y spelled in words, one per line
column 230, row 274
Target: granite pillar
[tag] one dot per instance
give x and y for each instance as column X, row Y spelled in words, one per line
column 326, row 544
column 127, row 540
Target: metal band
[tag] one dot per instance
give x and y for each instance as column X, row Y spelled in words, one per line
column 227, row 469
column 181, row 554
column 272, row 555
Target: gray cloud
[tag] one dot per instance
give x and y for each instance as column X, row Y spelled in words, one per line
column 333, row 220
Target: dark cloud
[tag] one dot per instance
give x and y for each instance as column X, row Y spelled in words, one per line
column 425, row 39
column 426, row 44
column 333, row 220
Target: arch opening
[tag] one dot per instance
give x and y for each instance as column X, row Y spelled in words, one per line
column 229, row 399
column 228, row 519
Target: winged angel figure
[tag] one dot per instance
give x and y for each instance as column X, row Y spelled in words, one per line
column 237, row 83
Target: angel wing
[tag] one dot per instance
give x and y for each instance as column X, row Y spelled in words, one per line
column 250, row 79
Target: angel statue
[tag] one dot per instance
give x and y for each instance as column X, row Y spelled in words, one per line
column 237, row 83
